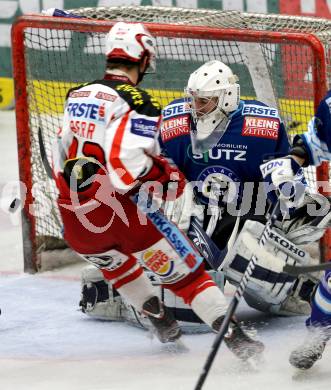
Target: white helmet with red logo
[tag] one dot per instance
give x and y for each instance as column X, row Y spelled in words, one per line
column 131, row 42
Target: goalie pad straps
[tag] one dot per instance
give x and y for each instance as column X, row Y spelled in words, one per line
column 268, row 283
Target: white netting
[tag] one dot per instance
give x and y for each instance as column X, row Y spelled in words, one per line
column 276, row 73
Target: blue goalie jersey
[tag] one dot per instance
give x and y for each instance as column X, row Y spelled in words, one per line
column 318, row 137
column 254, row 133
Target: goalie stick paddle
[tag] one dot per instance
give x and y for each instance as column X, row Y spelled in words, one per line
column 296, row 270
column 235, row 300
column 205, row 245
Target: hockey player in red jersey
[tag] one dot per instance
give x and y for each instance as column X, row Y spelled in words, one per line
column 105, row 154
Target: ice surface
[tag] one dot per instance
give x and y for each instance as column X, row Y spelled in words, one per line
column 47, row 344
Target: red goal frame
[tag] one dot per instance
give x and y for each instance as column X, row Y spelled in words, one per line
column 164, row 30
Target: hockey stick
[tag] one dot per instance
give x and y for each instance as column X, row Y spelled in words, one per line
column 205, row 245
column 296, row 270
column 16, row 201
column 43, row 154
column 235, row 300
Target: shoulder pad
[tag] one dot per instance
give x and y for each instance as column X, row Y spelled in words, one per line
column 139, row 100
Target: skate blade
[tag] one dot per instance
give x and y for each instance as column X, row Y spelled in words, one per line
column 254, row 363
column 177, row 346
column 302, row 374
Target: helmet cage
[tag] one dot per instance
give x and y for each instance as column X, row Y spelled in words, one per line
column 201, row 112
column 209, row 126
column 214, row 82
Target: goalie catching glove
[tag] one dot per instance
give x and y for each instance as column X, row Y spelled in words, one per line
column 172, row 193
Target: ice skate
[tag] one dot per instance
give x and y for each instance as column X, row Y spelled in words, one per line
column 305, row 356
column 238, row 341
column 166, row 327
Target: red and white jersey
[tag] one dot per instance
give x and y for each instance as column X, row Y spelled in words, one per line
column 113, row 122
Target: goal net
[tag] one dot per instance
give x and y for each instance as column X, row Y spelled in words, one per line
column 283, row 61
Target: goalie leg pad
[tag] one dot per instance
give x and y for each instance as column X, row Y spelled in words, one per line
column 117, row 308
column 98, row 297
column 268, row 288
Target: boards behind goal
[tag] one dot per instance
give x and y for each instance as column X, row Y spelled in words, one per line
column 280, row 60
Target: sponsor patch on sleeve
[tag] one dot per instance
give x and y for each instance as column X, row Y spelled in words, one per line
column 143, row 127
column 260, row 127
column 105, row 96
column 175, row 109
column 79, row 94
column 254, row 109
column 175, row 127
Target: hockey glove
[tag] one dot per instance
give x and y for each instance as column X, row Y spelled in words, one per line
column 183, row 208
column 175, row 192
column 169, row 180
column 287, row 177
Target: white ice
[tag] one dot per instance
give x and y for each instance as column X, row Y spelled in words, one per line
column 47, row 344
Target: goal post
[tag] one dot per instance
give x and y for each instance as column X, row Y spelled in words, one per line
column 287, row 66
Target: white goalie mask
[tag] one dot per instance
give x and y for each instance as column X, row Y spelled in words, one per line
column 213, row 93
column 131, row 42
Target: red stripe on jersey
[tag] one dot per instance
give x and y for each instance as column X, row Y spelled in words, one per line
column 129, row 278
column 115, row 151
column 202, row 287
column 189, row 287
column 121, row 270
